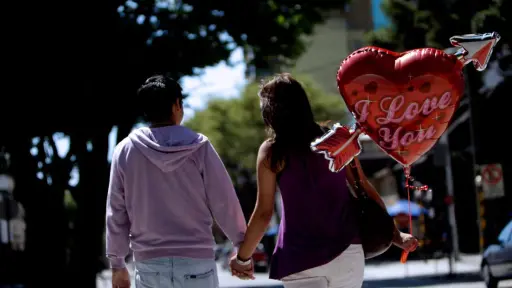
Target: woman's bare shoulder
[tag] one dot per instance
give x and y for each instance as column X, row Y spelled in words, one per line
column 266, row 147
column 265, row 152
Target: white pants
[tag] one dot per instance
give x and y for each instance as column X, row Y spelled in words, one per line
column 346, row 271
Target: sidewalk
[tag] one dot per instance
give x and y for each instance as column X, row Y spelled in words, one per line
column 469, row 264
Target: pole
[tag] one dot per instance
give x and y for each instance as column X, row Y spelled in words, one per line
column 454, row 254
column 8, row 217
column 472, row 115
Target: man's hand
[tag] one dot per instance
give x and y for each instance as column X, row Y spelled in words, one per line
column 405, row 241
column 120, row 278
column 243, row 272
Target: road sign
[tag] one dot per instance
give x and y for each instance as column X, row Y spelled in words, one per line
column 492, row 181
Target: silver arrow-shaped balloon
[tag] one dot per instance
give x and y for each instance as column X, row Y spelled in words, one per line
column 475, row 48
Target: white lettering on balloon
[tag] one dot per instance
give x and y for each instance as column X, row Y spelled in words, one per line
column 391, row 105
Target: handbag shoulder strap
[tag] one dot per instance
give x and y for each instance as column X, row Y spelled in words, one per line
column 357, row 185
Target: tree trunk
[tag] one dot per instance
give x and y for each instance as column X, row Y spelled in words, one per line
column 45, row 218
column 87, row 257
column 123, row 129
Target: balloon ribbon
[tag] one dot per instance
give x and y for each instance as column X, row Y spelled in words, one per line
column 408, row 178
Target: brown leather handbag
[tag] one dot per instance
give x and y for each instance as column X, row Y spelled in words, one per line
column 377, row 228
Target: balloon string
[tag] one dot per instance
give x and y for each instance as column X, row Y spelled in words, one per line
column 405, row 253
column 408, row 177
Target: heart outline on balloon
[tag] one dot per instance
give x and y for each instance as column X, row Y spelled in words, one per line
column 423, row 105
column 400, row 69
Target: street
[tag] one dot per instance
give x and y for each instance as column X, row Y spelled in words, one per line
column 420, row 274
column 461, row 281
column 478, row 284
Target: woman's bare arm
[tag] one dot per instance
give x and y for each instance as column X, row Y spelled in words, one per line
column 264, row 208
column 367, row 186
column 371, row 192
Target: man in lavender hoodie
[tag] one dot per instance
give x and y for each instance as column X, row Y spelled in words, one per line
column 167, row 185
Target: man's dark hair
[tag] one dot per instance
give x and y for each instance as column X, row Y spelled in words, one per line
column 158, row 94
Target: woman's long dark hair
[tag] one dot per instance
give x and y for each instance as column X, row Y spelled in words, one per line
column 287, row 114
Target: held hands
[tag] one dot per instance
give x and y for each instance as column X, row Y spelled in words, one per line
column 405, row 241
column 243, row 272
column 120, row 278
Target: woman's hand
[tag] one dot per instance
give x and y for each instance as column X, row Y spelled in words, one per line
column 405, row 241
column 243, row 272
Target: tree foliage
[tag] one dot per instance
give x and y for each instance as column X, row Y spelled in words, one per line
column 430, row 23
column 236, row 129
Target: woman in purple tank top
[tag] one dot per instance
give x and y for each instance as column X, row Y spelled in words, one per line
column 318, row 242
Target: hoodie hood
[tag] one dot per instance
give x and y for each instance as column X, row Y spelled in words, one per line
column 167, row 147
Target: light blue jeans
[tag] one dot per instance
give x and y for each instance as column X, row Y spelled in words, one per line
column 176, row 272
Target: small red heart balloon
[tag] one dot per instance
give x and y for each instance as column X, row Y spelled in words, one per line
column 403, row 101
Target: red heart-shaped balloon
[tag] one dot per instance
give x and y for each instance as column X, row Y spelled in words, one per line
column 403, row 101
